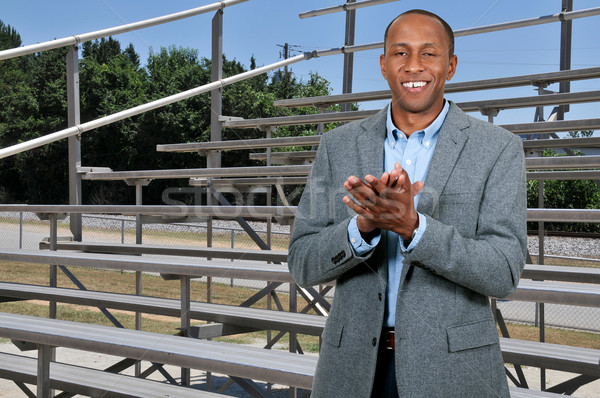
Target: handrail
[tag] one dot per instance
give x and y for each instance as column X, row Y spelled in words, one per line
column 476, row 30
column 94, row 124
column 75, row 39
column 343, row 7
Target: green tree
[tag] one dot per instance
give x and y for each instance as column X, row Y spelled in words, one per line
column 110, row 81
column 565, row 194
column 9, row 37
column 33, row 94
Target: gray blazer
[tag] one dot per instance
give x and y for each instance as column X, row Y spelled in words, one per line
column 474, row 246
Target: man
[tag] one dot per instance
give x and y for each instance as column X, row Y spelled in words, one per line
column 416, row 252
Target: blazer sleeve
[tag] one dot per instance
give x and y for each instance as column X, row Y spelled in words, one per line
column 491, row 261
column 319, row 250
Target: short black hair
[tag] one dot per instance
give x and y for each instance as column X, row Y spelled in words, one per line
column 447, row 28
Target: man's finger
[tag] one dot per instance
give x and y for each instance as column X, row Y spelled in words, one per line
column 416, row 187
column 378, row 185
column 356, row 207
column 362, row 194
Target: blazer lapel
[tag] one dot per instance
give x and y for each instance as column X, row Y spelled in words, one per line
column 370, row 142
column 450, row 143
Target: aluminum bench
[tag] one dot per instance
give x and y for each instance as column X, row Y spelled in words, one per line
column 234, row 319
column 241, row 361
column 224, row 358
column 92, row 382
column 276, row 256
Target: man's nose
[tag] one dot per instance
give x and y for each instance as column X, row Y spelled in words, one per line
column 413, row 63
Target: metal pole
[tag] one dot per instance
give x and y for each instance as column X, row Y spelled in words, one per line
column 73, row 119
column 216, row 101
column 344, row 7
column 122, row 231
column 268, row 132
column 45, row 356
column 185, row 320
column 213, row 158
column 566, row 27
column 293, row 336
column 540, row 309
column 48, row 353
column 53, row 219
column 138, row 274
column 349, row 57
column 20, row 230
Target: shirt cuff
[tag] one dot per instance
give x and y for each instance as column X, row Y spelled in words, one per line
column 418, row 235
column 360, row 246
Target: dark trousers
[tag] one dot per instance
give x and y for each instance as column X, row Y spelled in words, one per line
column 384, row 385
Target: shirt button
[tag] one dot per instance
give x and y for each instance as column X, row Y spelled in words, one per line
column 374, row 341
column 353, row 240
column 380, row 296
column 427, row 143
column 408, row 161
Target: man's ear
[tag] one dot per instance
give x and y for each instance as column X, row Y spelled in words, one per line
column 382, row 65
column 452, row 67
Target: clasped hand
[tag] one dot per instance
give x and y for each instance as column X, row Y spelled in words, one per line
column 386, row 203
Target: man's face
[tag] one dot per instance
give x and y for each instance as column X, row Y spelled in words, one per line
column 416, row 64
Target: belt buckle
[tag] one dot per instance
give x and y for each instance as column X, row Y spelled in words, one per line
column 389, row 340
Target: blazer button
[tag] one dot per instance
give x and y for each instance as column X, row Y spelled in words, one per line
column 380, row 296
column 374, row 341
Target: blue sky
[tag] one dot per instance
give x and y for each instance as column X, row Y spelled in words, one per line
column 257, row 27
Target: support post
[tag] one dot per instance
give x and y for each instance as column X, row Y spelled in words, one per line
column 74, row 142
column 213, row 158
column 45, row 356
column 349, row 57
column 185, row 321
column 293, row 336
column 566, row 28
column 138, row 183
column 540, row 306
column 53, row 218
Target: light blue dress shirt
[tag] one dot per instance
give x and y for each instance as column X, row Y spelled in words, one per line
column 414, row 155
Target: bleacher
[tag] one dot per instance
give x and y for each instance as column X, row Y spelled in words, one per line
column 192, row 347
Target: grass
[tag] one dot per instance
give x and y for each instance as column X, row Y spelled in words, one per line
column 117, row 282
column 568, row 262
column 555, row 335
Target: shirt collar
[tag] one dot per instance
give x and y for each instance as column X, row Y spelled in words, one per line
column 430, row 132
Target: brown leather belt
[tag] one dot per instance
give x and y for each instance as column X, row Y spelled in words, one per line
column 387, row 338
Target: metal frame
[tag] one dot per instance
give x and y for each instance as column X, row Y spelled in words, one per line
column 76, row 129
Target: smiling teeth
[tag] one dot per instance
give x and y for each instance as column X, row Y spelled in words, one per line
column 414, row 84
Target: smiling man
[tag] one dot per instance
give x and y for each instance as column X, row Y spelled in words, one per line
column 419, row 215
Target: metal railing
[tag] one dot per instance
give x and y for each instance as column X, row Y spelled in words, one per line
column 98, row 34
